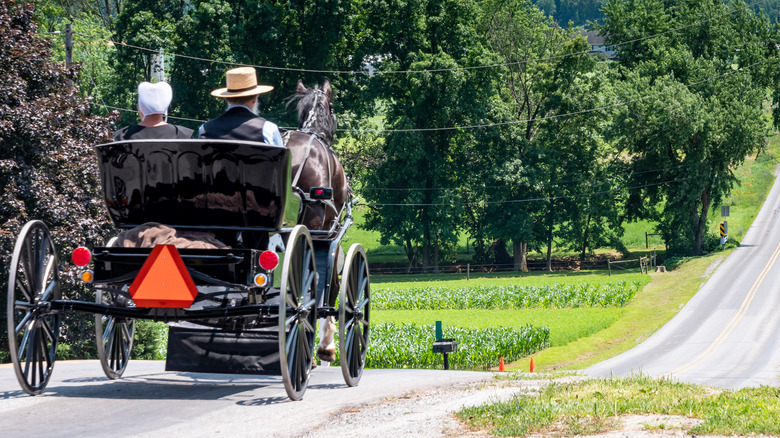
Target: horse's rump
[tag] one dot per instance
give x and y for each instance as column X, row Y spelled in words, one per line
column 314, row 164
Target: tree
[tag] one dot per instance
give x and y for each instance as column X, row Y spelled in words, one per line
column 550, row 162
column 693, row 106
column 47, row 166
column 421, row 194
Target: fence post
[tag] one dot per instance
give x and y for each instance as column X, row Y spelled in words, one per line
column 68, row 45
column 609, row 267
column 468, row 270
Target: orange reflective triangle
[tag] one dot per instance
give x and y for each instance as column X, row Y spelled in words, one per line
column 164, row 281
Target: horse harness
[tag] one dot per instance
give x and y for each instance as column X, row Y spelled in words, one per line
column 307, row 200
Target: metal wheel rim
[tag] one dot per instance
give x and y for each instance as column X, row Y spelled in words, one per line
column 297, row 312
column 114, row 337
column 33, row 330
column 354, row 309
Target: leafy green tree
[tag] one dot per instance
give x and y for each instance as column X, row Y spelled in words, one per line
column 551, row 162
column 47, row 166
column 424, row 171
column 142, row 24
column 693, row 106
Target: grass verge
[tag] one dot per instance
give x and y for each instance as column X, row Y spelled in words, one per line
column 586, row 407
column 660, row 300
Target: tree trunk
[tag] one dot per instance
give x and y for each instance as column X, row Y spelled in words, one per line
column 519, row 254
column 409, row 249
column 585, row 239
column 549, row 248
column 698, row 242
column 435, row 260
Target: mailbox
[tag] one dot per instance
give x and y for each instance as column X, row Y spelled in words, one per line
column 445, row 346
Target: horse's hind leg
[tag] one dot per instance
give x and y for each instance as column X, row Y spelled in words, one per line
column 326, row 351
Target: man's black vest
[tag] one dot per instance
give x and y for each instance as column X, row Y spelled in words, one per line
column 236, row 123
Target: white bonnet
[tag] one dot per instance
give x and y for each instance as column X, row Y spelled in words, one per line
column 154, row 98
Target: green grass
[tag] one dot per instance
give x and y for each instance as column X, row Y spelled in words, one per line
column 594, row 406
column 566, row 325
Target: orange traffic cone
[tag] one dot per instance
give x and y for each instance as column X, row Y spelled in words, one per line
column 501, row 364
column 533, row 369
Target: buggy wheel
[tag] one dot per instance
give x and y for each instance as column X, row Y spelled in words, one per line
column 33, row 328
column 354, row 307
column 114, row 335
column 297, row 312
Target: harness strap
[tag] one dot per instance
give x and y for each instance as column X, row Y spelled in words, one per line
column 303, row 163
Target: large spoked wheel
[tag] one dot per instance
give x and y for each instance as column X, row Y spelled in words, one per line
column 114, row 335
column 297, row 312
column 33, row 328
column 354, row 307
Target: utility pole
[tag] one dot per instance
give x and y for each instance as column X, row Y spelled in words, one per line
column 158, row 65
column 68, row 44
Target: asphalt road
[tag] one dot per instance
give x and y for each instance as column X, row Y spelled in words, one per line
column 728, row 334
column 149, row 402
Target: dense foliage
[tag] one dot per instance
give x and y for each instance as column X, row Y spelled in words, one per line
column 410, row 346
column 47, row 166
column 485, row 118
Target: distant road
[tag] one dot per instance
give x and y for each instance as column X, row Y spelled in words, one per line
column 149, row 402
column 728, row 335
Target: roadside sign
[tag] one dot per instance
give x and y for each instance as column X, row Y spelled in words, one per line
column 722, row 229
column 724, row 210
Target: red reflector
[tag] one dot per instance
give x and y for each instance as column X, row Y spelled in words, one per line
column 320, row 191
column 269, row 260
column 81, row 256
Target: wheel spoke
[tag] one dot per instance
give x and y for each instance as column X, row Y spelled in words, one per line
column 22, row 323
column 289, row 343
column 24, row 288
column 47, row 330
column 28, row 269
column 362, row 304
column 47, row 279
column 107, row 329
column 356, row 355
column 23, row 349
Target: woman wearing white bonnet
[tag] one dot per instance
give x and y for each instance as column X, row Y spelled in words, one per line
column 153, row 102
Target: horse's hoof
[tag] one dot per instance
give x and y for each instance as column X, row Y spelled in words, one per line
column 326, row 354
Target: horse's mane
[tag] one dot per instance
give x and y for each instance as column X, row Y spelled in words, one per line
column 324, row 124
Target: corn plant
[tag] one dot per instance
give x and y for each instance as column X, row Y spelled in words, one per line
column 410, row 346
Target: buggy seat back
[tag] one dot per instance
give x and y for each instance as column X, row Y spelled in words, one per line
column 199, row 184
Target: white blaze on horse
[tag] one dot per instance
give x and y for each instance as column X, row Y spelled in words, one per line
column 314, row 164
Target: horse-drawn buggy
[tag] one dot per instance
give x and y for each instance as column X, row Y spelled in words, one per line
column 243, row 295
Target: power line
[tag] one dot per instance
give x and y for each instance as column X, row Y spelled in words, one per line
column 508, row 186
column 535, row 119
column 519, row 201
column 388, row 72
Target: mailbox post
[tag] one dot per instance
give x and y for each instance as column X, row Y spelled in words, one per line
column 444, row 346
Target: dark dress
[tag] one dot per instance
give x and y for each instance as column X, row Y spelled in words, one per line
column 138, row 132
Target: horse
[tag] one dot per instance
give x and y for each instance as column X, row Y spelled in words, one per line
column 314, row 164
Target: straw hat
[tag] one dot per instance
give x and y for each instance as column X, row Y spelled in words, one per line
column 241, row 81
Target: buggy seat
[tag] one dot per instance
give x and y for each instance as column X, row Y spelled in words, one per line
column 198, row 184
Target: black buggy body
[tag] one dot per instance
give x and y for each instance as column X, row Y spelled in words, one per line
column 249, row 306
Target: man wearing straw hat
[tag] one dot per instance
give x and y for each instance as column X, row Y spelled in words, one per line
column 240, row 121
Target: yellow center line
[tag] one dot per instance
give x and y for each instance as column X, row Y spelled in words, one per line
column 734, row 321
